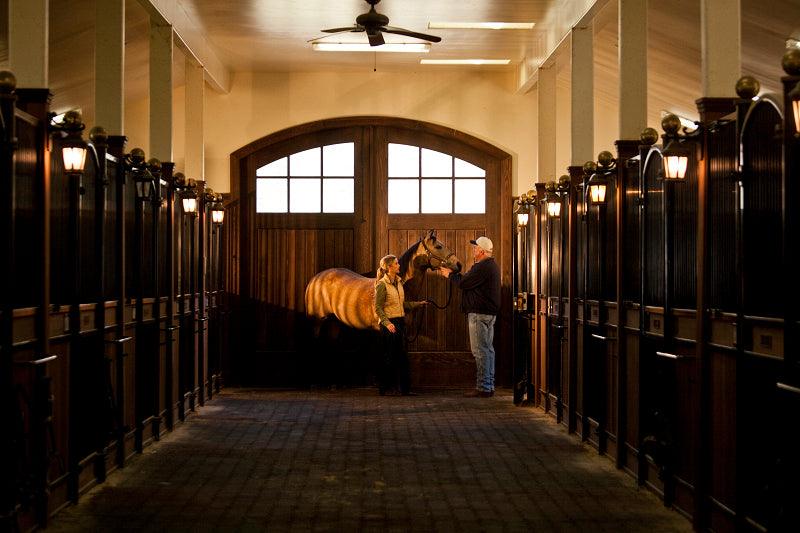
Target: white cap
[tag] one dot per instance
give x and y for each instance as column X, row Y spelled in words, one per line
column 483, row 242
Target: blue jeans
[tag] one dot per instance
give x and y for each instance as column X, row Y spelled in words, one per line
column 481, row 335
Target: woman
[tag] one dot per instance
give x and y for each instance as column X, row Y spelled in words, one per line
column 390, row 306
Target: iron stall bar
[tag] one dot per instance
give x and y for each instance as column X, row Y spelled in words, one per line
column 169, row 288
column 575, row 250
column 155, row 168
column 99, row 144
column 598, row 177
column 626, row 161
column 116, row 148
column 70, row 130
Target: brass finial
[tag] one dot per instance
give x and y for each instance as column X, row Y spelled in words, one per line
column 649, row 136
column 605, row 158
column 98, row 135
column 8, row 82
column 671, row 124
column 137, row 156
column 791, row 62
column 747, row 87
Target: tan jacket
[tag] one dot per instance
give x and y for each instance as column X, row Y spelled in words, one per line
column 389, row 300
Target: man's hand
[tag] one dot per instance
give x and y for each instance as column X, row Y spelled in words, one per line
column 391, row 328
column 445, row 272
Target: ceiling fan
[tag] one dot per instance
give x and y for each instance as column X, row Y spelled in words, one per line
column 375, row 24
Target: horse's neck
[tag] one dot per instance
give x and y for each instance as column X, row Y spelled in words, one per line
column 412, row 281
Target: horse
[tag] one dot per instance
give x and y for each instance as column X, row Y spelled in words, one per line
column 350, row 297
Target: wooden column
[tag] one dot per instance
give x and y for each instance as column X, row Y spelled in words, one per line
column 721, row 46
column 28, row 34
column 547, row 123
column 632, row 68
column 109, row 65
column 161, row 92
column 582, row 95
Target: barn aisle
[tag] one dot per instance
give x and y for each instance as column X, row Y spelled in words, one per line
column 350, row 460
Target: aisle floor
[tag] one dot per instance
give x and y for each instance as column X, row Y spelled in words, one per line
column 350, row 460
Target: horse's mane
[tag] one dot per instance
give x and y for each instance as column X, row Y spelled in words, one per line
column 405, row 259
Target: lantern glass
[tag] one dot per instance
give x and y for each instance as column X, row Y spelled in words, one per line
column 74, row 158
column 796, row 112
column 554, row 208
column 597, row 193
column 675, row 166
column 190, row 205
column 522, row 219
column 217, row 216
column 144, row 188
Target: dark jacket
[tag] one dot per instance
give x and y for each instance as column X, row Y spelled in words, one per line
column 480, row 287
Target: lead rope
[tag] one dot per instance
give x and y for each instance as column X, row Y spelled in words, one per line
column 418, row 322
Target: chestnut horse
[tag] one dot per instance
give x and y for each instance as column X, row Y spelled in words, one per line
column 350, row 297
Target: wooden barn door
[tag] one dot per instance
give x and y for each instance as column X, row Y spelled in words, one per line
column 278, row 253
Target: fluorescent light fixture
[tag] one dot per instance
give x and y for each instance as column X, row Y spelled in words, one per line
column 464, row 61
column 481, row 25
column 417, row 48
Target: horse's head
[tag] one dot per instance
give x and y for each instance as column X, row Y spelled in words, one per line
column 437, row 253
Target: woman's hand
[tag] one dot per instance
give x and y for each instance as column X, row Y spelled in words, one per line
column 391, row 328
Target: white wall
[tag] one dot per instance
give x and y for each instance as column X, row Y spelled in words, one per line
column 481, row 104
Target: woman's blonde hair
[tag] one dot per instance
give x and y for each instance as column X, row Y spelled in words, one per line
column 386, row 262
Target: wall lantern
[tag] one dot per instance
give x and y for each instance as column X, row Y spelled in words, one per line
column 599, row 175
column 674, row 154
column 73, row 147
column 552, row 199
column 217, row 211
column 190, row 198
column 676, row 161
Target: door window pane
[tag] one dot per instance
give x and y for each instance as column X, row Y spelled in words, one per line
column 337, row 195
column 437, row 196
column 271, row 195
column 305, row 163
column 304, row 195
column 404, row 196
column 337, row 159
column 436, row 164
column 403, row 161
column 276, row 168
column 470, row 196
column 468, row 170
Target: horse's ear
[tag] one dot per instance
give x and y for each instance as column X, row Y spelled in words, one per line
column 432, row 235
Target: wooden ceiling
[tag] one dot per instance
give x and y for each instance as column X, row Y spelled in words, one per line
column 272, row 36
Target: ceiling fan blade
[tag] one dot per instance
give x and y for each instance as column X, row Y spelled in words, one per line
column 342, row 30
column 409, row 33
column 375, row 38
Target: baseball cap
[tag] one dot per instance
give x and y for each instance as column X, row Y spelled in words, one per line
column 483, row 242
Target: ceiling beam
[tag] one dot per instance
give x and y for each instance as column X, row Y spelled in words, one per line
column 557, row 25
column 190, row 38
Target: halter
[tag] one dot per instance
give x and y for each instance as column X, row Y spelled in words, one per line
column 432, row 255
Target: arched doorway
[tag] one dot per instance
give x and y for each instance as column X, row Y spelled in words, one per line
column 316, row 196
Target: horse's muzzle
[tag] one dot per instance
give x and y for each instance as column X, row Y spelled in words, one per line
column 457, row 267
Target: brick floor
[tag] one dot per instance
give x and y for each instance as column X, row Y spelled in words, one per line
column 348, row 460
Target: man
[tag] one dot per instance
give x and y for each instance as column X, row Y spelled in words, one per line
column 480, row 300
